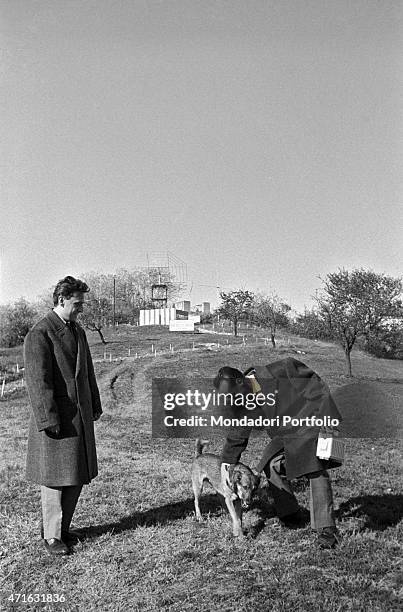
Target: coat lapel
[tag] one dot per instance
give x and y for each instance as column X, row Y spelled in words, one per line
column 65, row 337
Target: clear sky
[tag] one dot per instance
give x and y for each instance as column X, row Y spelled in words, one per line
column 259, row 141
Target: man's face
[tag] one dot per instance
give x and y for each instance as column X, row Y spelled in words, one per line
column 72, row 307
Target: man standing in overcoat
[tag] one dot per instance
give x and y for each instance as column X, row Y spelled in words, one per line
column 65, row 402
column 300, row 393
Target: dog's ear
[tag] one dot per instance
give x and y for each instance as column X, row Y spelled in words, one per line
column 236, row 476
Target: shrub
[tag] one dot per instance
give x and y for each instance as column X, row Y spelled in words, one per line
column 15, row 322
column 387, row 343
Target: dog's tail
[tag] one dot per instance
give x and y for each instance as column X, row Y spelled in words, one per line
column 200, row 444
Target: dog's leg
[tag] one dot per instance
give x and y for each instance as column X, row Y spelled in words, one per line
column 197, row 489
column 236, row 520
column 238, row 509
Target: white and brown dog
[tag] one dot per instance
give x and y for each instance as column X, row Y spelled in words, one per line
column 237, row 489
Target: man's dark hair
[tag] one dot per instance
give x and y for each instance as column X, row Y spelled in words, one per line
column 67, row 286
column 232, row 375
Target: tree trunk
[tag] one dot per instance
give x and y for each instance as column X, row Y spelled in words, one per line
column 273, row 341
column 347, row 353
column 235, row 327
column 101, row 336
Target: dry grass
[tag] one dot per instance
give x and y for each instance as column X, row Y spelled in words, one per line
column 144, row 551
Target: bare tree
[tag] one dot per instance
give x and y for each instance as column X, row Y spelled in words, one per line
column 95, row 315
column 235, row 306
column 356, row 303
column 270, row 312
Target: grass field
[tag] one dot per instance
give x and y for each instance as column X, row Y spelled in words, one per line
column 143, row 548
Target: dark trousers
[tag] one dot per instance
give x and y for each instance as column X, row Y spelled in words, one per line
column 58, row 505
column 321, row 496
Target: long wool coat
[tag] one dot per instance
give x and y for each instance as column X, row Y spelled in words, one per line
column 300, row 393
column 62, row 390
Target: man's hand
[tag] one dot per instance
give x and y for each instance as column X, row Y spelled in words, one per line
column 53, row 429
column 96, row 416
column 227, row 470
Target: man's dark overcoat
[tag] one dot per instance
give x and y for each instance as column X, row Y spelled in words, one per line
column 300, row 392
column 62, row 390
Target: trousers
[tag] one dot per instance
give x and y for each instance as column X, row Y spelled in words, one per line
column 320, row 499
column 58, row 506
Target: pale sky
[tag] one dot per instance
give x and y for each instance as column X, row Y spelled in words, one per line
column 259, row 141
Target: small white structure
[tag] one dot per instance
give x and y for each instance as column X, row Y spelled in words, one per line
column 184, row 305
column 161, row 316
column 181, row 325
column 157, row 316
column 181, row 311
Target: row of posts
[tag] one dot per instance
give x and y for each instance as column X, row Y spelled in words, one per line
column 136, row 356
column 154, row 352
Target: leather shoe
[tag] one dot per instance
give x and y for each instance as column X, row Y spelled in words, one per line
column 327, row 537
column 56, row 547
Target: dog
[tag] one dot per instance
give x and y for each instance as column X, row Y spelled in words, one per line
column 244, row 483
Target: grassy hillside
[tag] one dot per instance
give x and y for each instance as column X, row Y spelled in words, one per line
column 144, row 550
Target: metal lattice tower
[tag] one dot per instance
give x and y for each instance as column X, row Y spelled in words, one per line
column 167, row 268
column 167, row 264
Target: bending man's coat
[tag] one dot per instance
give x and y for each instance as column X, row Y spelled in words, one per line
column 300, row 393
column 62, row 390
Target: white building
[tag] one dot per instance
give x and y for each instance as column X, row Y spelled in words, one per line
column 161, row 316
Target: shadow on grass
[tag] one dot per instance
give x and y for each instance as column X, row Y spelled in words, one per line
column 378, row 511
column 160, row 515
